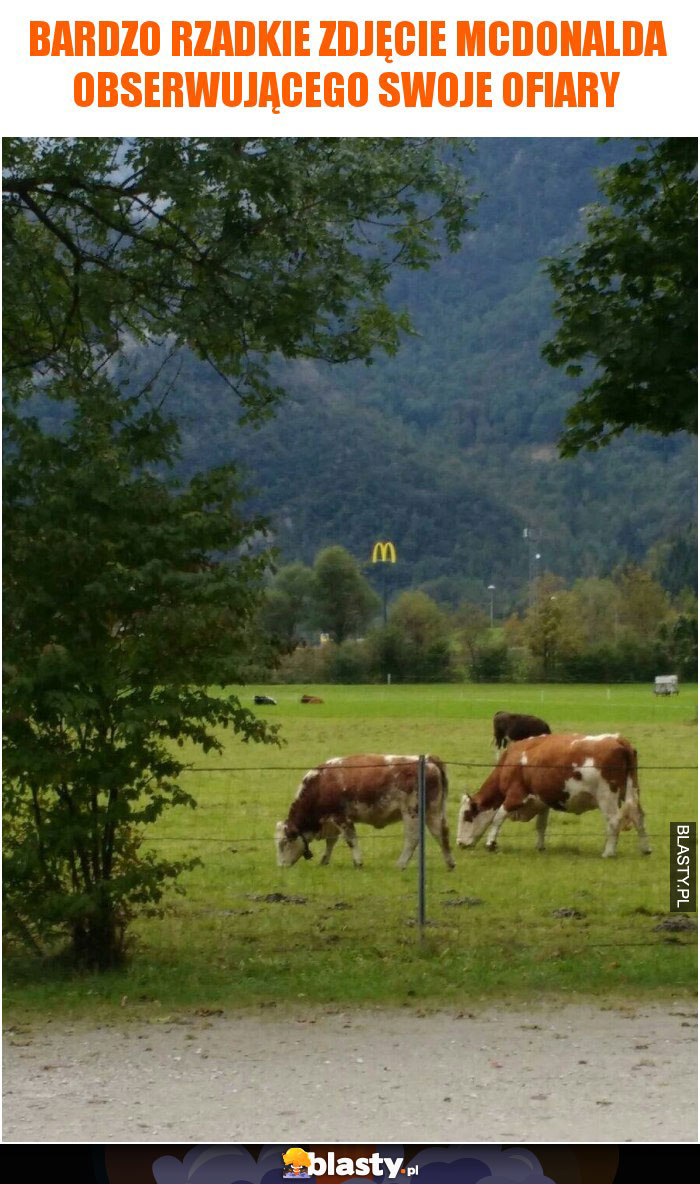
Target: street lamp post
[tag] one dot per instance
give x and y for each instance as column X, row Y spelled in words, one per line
column 491, row 589
column 531, row 534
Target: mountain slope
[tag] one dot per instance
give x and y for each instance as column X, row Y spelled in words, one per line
column 449, row 448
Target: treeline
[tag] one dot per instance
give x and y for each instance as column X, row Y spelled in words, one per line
column 328, row 623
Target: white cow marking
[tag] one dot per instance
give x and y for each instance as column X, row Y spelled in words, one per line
column 307, row 777
column 603, row 736
column 581, row 794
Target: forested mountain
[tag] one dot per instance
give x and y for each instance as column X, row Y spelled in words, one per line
column 449, row 448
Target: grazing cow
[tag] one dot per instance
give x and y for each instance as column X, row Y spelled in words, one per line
column 567, row 772
column 310, row 699
column 366, row 788
column 508, row 725
column 265, row 700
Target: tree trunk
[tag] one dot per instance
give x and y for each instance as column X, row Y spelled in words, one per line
column 98, row 938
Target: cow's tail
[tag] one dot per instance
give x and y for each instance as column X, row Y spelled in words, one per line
column 630, row 793
column 440, row 766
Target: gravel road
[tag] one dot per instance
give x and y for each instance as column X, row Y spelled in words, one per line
column 571, row 1073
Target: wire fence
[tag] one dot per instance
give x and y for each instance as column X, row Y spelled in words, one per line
column 295, row 769
column 401, row 760
column 232, row 833
column 345, row 767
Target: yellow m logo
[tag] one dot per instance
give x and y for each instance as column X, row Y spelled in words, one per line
column 384, row 553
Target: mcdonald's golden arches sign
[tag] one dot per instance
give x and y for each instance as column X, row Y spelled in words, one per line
column 384, row 553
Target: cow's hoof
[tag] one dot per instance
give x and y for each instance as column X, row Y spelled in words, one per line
column 492, row 846
column 647, row 852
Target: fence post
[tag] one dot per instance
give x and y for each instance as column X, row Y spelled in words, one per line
column 421, row 845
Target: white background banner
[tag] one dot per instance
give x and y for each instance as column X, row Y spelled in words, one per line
column 653, row 95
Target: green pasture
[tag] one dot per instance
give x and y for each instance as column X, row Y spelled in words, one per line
column 353, row 939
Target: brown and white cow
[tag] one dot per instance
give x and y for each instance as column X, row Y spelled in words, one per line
column 370, row 788
column 568, row 772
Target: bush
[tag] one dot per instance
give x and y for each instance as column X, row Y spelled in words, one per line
column 349, row 662
column 305, row 664
column 491, row 663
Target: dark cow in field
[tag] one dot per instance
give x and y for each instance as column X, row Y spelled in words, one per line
column 569, row 772
column 366, row 788
column 508, row 725
column 310, row 699
column 265, row 700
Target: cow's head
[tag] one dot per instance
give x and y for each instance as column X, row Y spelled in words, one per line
column 290, row 845
column 472, row 821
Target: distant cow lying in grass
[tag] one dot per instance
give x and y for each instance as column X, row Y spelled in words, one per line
column 567, row 772
column 365, row 788
column 508, row 725
column 310, row 699
column 263, row 700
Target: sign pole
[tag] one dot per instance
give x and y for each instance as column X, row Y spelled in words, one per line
column 384, row 552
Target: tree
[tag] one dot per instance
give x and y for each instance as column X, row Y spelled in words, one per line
column 343, row 603
column 680, row 640
column 415, row 646
column 238, row 249
column 627, row 299
column 126, row 597
column 287, row 604
column 551, row 626
column 643, row 603
column 116, row 622
column 472, row 624
column 597, row 607
column 674, row 562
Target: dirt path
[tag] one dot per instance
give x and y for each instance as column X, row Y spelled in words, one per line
column 571, row 1073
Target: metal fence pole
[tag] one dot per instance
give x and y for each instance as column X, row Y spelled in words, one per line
column 421, row 845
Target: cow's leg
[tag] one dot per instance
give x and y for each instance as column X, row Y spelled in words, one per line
column 331, row 840
column 541, row 825
column 644, row 844
column 610, row 809
column 492, row 836
column 351, row 840
column 410, row 837
column 634, row 812
column 437, row 825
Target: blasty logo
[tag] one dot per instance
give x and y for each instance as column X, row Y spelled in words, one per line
column 300, row 1164
column 296, row 1164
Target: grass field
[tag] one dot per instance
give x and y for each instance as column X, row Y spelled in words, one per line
column 354, row 940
